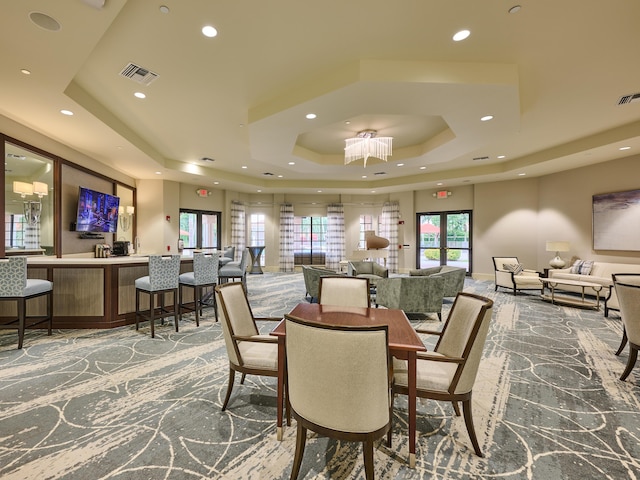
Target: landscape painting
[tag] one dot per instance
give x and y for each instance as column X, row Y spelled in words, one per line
column 616, row 221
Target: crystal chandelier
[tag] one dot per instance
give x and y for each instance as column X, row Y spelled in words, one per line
column 366, row 144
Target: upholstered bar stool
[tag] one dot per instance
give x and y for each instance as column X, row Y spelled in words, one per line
column 16, row 287
column 163, row 277
column 235, row 270
column 204, row 275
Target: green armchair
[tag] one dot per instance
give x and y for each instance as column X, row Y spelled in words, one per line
column 453, row 277
column 312, row 276
column 371, row 270
column 417, row 294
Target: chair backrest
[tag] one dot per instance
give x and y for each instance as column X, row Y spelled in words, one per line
column 236, row 317
column 13, row 276
column 500, row 262
column 464, row 335
column 205, row 268
column 338, row 377
column 417, row 294
column 627, row 287
column 344, row 291
column 164, row 271
column 230, row 252
column 244, row 260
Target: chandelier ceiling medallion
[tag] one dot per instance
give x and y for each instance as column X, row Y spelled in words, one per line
column 367, row 144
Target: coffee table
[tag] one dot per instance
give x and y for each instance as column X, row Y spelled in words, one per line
column 557, row 284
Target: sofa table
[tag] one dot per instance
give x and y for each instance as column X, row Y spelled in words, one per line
column 558, row 284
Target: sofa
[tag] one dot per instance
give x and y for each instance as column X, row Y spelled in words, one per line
column 595, row 272
column 311, row 275
column 414, row 295
column 371, row 270
column 453, row 277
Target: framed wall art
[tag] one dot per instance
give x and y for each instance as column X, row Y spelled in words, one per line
column 616, row 221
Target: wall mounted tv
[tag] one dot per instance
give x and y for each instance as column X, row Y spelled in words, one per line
column 97, row 212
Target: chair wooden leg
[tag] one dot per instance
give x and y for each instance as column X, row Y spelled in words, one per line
column 232, row 376
column 456, row 408
column 367, row 450
column 50, row 312
column 244, row 375
column 22, row 312
column 137, row 309
column 176, row 309
column 468, row 420
column 633, row 355
column 197, row 296
column 151, row 312
column 301, row 440
column 623, row 343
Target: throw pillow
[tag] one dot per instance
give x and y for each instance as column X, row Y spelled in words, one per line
column 516, row 268
column 582, row 267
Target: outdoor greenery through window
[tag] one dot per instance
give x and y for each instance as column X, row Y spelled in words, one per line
column 200, row 229
column 256, row 232
column 14, row 228
column 444, row 238
column 309, row 240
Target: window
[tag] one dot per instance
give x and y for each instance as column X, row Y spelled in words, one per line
column 309, row 240
column 256, row 232
column 366, row 223
column 200, row 229
column 14, row 226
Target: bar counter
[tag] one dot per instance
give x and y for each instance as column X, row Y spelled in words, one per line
column 94, row 292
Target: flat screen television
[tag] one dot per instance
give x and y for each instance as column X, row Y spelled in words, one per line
column 97, row 211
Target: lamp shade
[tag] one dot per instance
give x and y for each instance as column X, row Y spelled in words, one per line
column 554, row 246
column 23, row 188
column 41, row 189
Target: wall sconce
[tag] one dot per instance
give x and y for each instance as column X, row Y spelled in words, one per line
column 124, row 216
column 32, row 209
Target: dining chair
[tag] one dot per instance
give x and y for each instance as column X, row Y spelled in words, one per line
column 204, row 275
column 163, row 278
column 627, row 287
column 249, row 352
column 344, row 291
column 339, row 384
column 449, row 372
column 16, row 287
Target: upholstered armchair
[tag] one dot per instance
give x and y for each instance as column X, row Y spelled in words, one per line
column 453, row 277
column 418, row 294
column 509, row 273
column 312, row 276
column 371, row 270
column 627, row 287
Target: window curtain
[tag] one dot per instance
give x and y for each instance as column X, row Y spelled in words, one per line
column 286, row 238
column 238, row 229
column 32, row 235
column 389, row 230
column 335, row 236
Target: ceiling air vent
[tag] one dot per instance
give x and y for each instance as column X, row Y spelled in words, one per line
column 268, row 174
column 380, row 173
column 480, row 158
column 634, row 97
column 138, row 74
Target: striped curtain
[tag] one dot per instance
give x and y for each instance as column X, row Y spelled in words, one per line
column 335, row 236
column 32, row 235
column 238, row 229
column 286, row 238
column 389, row 230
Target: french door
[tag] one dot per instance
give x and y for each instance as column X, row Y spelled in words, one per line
column 444, row 238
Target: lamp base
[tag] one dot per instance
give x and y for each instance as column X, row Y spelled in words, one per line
column 557, row 262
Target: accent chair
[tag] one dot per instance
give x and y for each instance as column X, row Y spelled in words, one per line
column 344, row 292
column 510, row 273
column 311, row 275
column 367, row 269
column 453, row 277
column 413, row 295
column 627, row 287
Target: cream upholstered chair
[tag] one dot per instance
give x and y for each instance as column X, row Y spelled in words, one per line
column 311, row 275
column 344, row 291
column 249, row 352
column 16, row 287
column 235, row 270
column 339, row 384
column 162, row 279
column 449, row 372
column 204, row 275
column 627, row 287
column 509, row 273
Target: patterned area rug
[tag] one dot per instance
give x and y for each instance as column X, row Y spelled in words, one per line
column 116, row 404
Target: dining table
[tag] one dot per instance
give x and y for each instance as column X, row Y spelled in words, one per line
column 404, row 343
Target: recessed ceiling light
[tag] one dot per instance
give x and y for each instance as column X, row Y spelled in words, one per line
column 158, row 173
column 515, row 9
column 164, row 9
column 279, row 176
column 259, row 191
column 423, row 168
column 25, row 71
column 292, row 163
column 625, row 148
column 45, row 21
column 439, row 184
column 501, row 156
column 400, row 164
column 244, row 166
column 521, row 174
column 319, row 191
column 209, row 31
column 347, row 122
column 364, row 176
column 66, row 112
column 216, row 183
column 487, row 118
column 461, row 35
column 373, row 191
column 311, row 116
column 139, row 95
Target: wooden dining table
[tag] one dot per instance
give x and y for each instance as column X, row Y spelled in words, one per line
column 404, row 343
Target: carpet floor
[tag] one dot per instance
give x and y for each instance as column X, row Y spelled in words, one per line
column 116, row 404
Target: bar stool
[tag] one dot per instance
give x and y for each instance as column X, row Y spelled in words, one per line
column 16, row 287
column 163, row 278
column 235, row 270
column 204, row 275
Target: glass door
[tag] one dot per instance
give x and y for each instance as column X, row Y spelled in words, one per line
column 199, row 230
column 444, row 238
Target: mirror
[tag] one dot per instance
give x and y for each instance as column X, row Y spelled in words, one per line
column 29, row 214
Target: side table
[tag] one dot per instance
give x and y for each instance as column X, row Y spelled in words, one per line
column 256, row 252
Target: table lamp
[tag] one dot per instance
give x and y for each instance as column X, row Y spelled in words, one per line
column 554, row 246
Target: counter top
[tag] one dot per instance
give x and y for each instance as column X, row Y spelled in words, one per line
column 114, row 260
